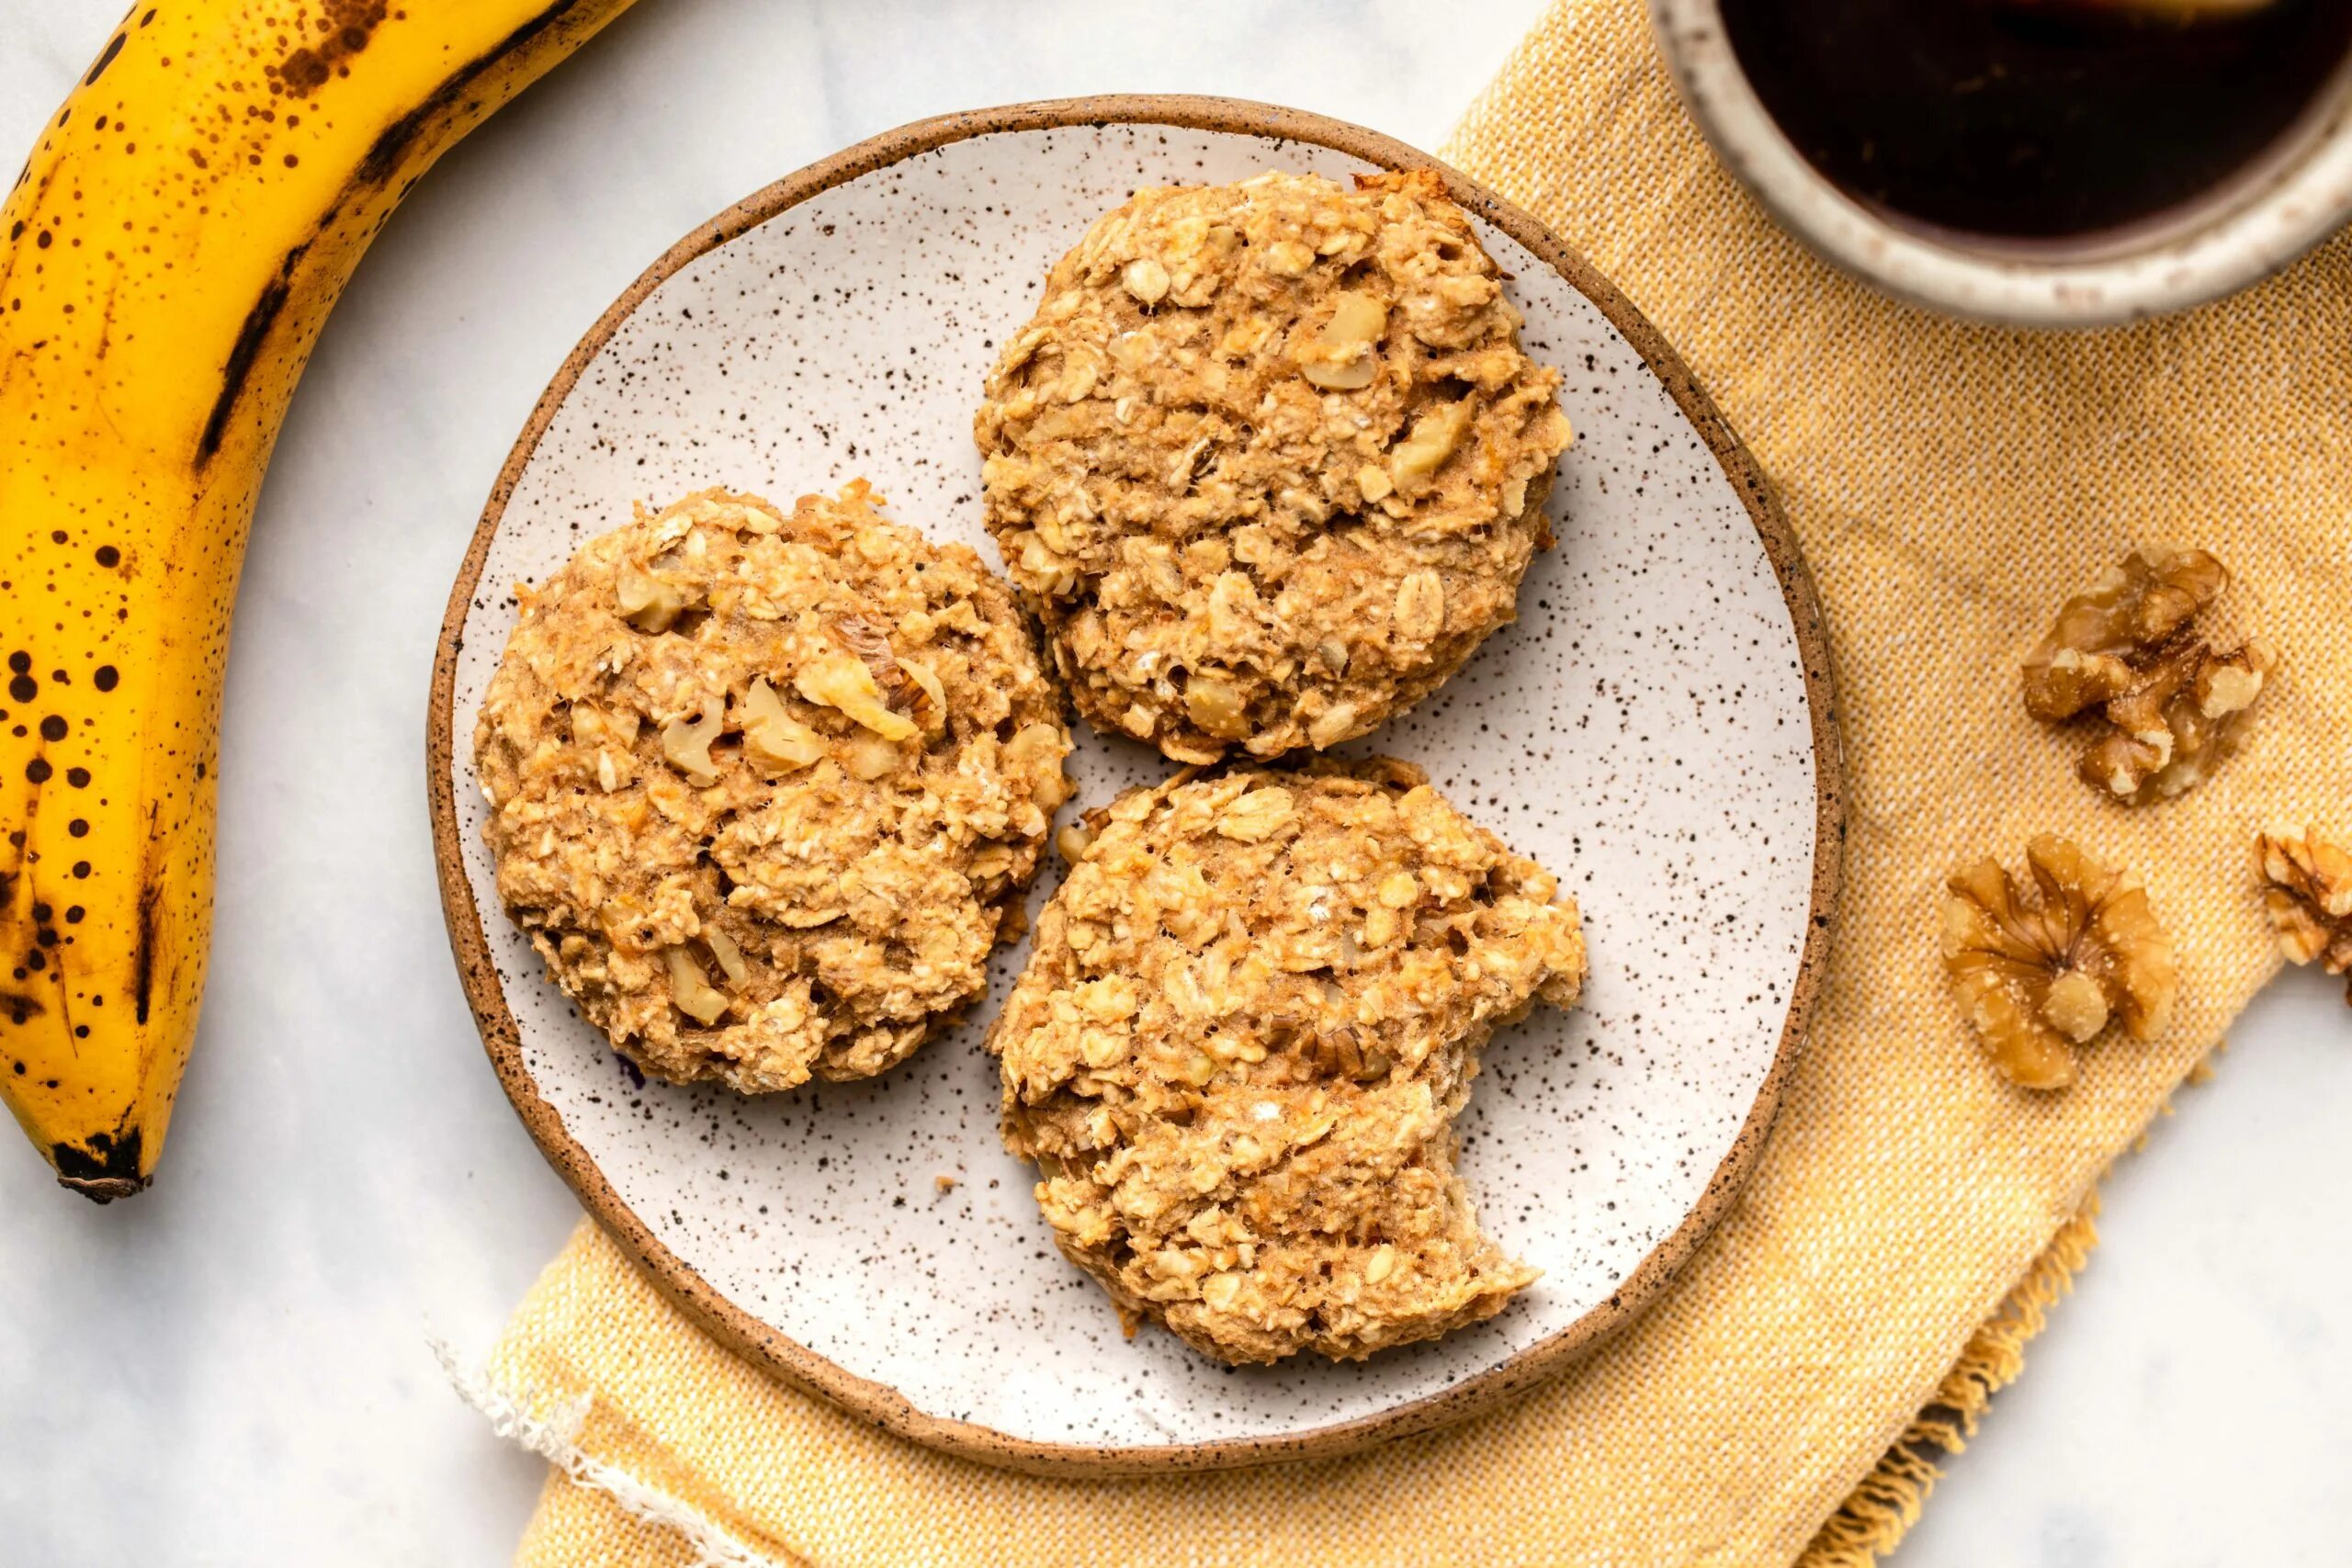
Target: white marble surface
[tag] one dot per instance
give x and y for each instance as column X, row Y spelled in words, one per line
column 234, row 1368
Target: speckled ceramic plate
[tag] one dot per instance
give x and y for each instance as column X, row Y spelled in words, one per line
column 1656, row 729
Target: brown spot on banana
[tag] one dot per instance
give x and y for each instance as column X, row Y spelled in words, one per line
column 106, row 57
column 247, row 348
column 383, row 159
column 348, row 25
column 142, row 983
column 377, row 165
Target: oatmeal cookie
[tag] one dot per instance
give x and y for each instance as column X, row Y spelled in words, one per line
column 1269, row 462
column 1251, row 1015
column 765, row 787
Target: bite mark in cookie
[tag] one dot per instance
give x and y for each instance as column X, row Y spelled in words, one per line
column 1251, row 1015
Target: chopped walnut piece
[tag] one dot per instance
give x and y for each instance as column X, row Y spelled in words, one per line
column 1257, row 815
column 905, row 691
column 691, row 990
column 1344, row 355
column 845, row 681
column 2142, row 649
column 869, row 757
column 591, row 726
column 1216, row 707
column 931, row 705
column 2044, row 964
column 1146, row 279
column 685, row 745
column 646, row 602
column 2307, row 892
column 731, row 957
column 774, row 743
column 1434, row 436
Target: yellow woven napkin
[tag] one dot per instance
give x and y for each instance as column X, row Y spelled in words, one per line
column 1913, row 1213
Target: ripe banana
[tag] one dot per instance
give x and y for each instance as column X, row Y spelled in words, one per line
column 167, row 260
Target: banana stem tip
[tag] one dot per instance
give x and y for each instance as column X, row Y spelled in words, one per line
column 103, row 1188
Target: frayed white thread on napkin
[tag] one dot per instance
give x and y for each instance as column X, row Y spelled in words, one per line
column 555, row 1437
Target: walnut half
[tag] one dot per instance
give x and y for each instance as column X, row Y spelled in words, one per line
column 2142, row 650
column 2044, row 965
column 2307, row 892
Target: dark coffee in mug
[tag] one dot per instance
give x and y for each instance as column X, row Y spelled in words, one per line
column 2040, row 121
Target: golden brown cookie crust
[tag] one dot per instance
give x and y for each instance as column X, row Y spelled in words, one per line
column 1250, row 1016
column 1270, row 461
column 766, row 786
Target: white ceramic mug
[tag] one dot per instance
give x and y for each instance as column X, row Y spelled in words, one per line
column 2295, row 196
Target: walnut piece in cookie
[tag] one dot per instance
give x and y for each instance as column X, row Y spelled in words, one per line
column 2044, row 964
column 2307, row 892
column 1250, row 1016
column 1270, row 461
column 766, row 786
column 2144, row 650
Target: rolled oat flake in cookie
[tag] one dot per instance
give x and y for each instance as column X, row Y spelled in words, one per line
column 766, row 786
column 1269, row 462
column 1252, row 1012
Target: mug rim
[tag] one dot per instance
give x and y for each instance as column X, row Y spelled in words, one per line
column 2283, row 213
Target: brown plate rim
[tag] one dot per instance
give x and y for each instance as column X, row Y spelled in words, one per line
column 889, row 1409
